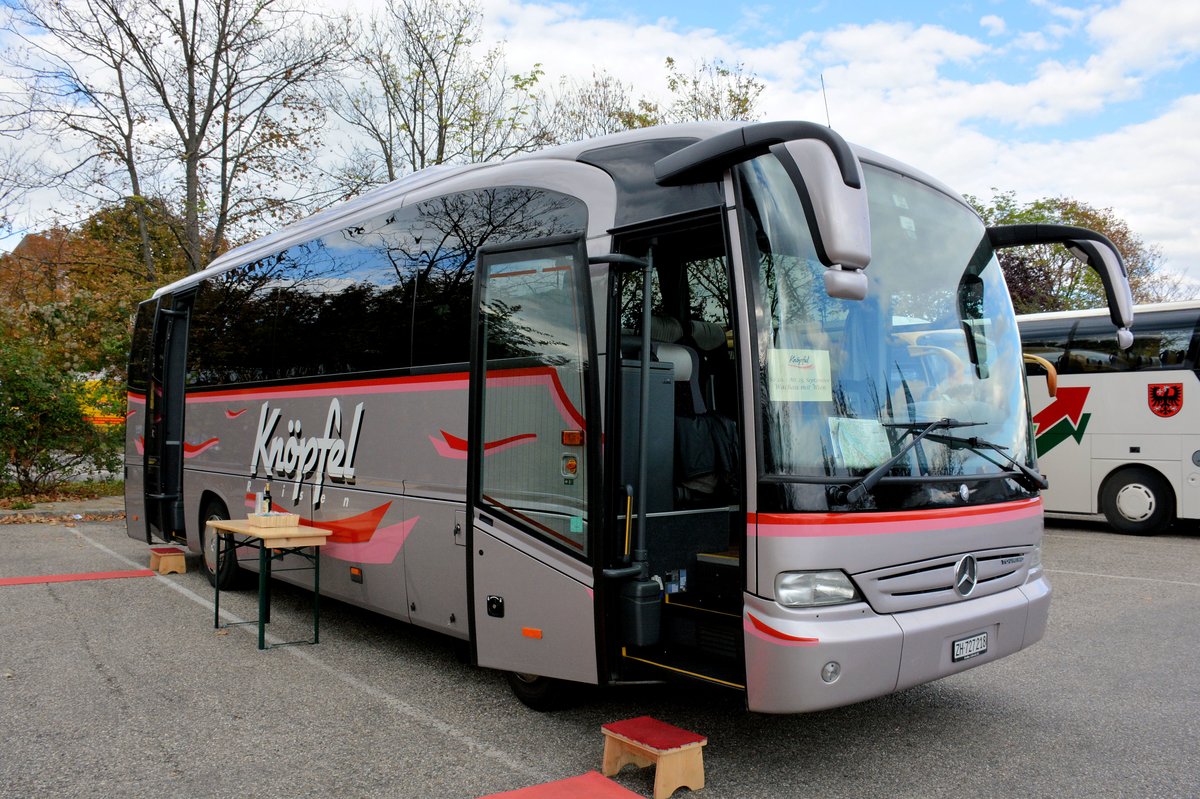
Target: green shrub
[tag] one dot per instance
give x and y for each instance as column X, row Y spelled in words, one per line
column 44, row 438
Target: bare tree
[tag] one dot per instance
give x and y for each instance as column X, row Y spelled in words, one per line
column 711, row 91
column 212, row 100
column 426, row 97
column 584, row 110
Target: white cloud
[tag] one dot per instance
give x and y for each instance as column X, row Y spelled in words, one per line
column 994, row 25
column 1148, row 35
column 909, row 90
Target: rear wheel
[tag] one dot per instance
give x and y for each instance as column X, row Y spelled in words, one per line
column 1138, row 501
column 227, row 573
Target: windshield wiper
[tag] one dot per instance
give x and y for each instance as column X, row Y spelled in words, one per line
column 1029, row 478
column 856, row 492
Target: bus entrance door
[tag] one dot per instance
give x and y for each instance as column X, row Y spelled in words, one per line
column 679, row 332
column 163, row 445
column 529, row 451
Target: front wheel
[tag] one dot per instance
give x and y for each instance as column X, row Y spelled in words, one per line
column 540, row 693
column 1138, row 501
column 227, row 573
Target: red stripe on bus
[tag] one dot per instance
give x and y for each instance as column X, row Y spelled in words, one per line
column 332, row 388
column 399, row 385
column 812, row 525
column 71, row 578
column 771, row 631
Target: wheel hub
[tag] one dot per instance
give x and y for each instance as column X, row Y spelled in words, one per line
column 1135, row 502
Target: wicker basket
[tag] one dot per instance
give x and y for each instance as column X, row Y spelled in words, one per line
column 274, row 519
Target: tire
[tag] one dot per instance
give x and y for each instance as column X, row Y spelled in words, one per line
column 1138, row 501
column 228, row 573
column 542, row 694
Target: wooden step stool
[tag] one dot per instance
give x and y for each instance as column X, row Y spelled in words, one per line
column 676, row 753
column 167, row 560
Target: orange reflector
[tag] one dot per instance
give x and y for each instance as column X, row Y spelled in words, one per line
column 355, row 571
column 531, row 632
column 571, row 465
column 572, row 438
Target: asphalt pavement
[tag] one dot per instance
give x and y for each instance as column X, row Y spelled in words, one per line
column 120, row 687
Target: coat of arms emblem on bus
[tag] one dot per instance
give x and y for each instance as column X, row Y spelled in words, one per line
column 1165, row 399
column 1062, row 419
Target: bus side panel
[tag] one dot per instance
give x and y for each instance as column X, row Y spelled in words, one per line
column 1065, row 461
column 529, row 616
column 435, row 565
column 1189, row 489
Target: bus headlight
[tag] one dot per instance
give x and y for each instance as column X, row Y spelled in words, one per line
column 813, row 589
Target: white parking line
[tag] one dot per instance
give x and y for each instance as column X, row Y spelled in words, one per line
column 509, row 760
column 1123, row 577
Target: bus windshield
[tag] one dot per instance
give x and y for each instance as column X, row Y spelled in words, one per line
column 843, row 384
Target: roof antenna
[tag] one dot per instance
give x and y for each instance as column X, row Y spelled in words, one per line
column 825, row 97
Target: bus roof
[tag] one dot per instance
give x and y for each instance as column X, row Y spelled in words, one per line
column 392, row 195
column 1158, row 307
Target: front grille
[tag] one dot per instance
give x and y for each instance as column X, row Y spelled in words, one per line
column 929, row 583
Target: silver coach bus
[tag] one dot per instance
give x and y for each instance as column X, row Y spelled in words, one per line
column 738, row 402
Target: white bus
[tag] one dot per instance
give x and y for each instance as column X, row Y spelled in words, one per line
column 734, row 402
column 1122, row 436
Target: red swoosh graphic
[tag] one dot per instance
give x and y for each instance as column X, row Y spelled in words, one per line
column 452, row 446
column 382, row 548
column 234, row 414
column 353, row 529
column 460, row 444
column 192, row 450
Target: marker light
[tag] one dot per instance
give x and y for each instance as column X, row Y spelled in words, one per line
column 813, row 589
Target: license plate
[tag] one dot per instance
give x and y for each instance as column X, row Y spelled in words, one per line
column 967, row 648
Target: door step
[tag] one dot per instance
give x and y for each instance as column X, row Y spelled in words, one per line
column 168, row 560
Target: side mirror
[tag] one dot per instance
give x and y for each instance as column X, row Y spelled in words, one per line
column 1051, row 372
column 828, row 178
column 1092, row 248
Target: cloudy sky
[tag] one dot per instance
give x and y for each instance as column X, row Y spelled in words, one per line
column 1094, row 100
column 1097, row 101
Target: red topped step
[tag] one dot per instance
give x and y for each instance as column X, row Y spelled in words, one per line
column 654, row 733
column 676, row 754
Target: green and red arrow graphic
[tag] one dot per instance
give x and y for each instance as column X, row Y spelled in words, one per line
column 1062, row 419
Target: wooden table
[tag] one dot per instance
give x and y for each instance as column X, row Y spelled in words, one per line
column 272, row 543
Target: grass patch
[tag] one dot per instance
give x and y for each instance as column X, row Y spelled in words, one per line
column 12, row 499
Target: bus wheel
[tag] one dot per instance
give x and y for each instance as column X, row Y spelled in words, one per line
column 1138, row 501
column 542, row 694
column 227, row 573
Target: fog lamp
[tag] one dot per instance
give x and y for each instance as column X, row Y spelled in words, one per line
column 831, row 671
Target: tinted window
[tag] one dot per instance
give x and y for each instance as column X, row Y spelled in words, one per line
column 350, row 301
column 340, row 303
column 139, row 347
column 1160, row 341
column 447, row 231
